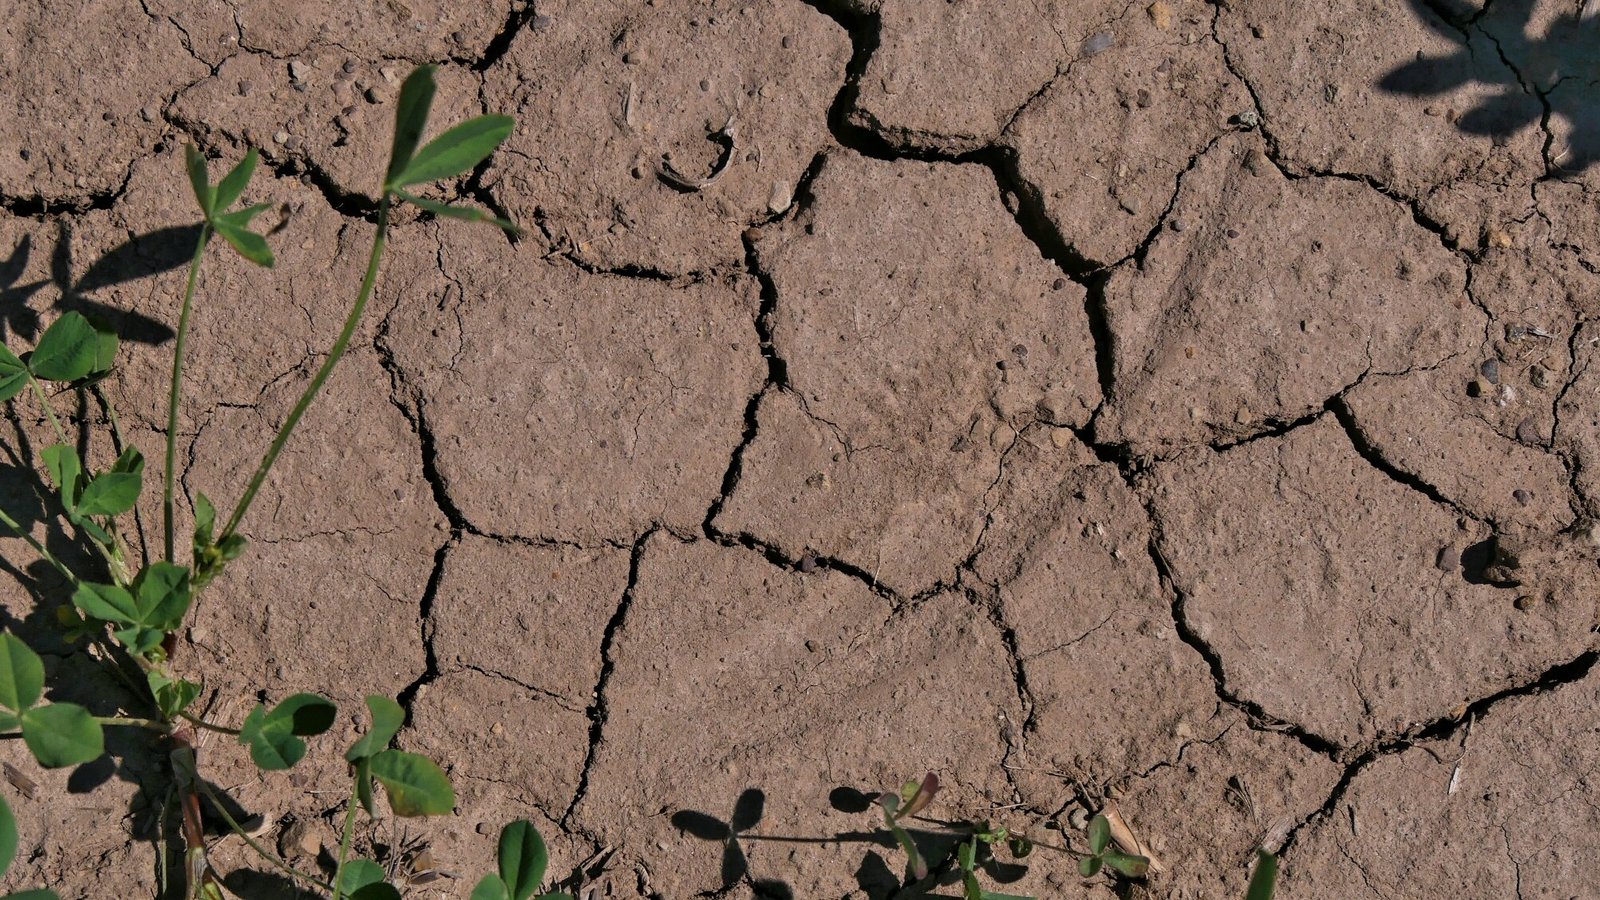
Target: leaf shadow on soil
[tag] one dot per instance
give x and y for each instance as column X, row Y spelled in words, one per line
column 874, row 876
column 1556, row 74
column 249, row 884
column 141, row 256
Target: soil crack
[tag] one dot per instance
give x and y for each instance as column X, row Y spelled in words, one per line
column 598, row 711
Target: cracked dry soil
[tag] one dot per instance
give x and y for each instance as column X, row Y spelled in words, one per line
column 1192, row 403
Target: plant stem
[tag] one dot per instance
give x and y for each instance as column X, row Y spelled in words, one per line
column 151, row 724
column 38, row 547
column 344, row 840
column 177, row 389
column 378, row 241
column 44, row 401
column 265, row 854
column 186, row 778
column 202, row 723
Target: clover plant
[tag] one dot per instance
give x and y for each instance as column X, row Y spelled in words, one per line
column 130, row 610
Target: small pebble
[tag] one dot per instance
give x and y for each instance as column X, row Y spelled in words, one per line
column 1522, row 497
column 1589, row 531
column 1160, row 13
column 1491, row 370
column 1528, row 431
column 1449, row 559
column 780, row 197
column 1002, row 436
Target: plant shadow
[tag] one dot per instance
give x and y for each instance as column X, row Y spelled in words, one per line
column 1555, row 74
column 249, row 884
column 139, row 257
column 875, row 877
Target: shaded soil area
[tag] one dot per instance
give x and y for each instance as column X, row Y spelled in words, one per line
column 1189, row 405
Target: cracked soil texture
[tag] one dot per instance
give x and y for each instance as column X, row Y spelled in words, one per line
column 1192, row 406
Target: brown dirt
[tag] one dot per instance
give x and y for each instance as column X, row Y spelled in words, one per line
column 1187, row 404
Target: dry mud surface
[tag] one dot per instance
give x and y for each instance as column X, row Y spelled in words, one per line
column 1191, row 404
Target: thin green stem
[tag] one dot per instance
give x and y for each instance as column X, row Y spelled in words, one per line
column 177, row 391
column 265, row 854
column 345, row 835
column 339, row 346
column 151, row 724
column 202, row 723
column 38, row 547
column 44, row 401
